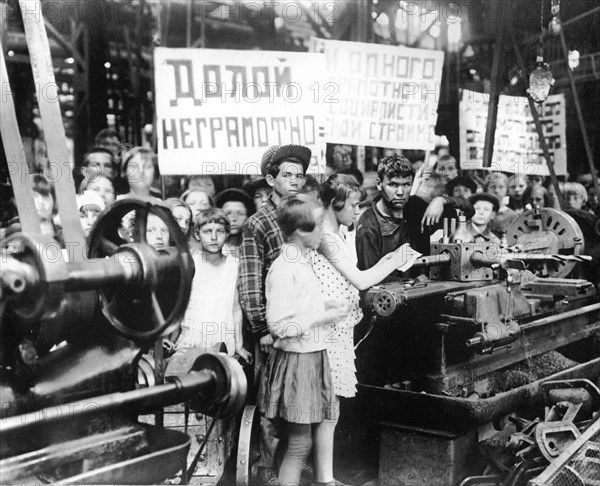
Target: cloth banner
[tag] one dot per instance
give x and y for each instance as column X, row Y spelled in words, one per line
column 517, row 147
column 219, row 110
column 383, row 96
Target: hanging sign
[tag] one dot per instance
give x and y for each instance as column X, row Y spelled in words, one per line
column 219, row 110
column 517, row 147
column 384, row 96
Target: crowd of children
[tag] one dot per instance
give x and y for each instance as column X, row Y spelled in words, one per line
column 277, row 275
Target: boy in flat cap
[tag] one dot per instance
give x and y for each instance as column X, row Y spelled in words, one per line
column 486, row 207
column 238, row 206
column 284, row 168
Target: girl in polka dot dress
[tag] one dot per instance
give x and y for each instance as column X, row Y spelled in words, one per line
column 340, row 280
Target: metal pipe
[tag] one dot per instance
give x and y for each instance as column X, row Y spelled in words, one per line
column 102, row 273
column 182, row 388
column 459, row 320
column 564, row 316
column 446, row 236
column 432, row 260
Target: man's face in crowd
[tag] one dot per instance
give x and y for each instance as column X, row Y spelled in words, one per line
column 290, row 179
column 395, row 191
column 484, row 212
column 98, row 163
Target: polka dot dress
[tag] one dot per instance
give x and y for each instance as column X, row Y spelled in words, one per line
column 340, row 347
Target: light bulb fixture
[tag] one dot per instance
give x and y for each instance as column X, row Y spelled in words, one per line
column 573, row 59
column 554, row 25
column 540, row 81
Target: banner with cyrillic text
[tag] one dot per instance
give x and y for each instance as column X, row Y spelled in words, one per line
column 219, row 110
column 517, row 146
column 385, row 96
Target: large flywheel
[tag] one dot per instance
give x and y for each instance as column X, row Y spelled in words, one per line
column 548, row 231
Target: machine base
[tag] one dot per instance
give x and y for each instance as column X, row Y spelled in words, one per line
column 410, row 456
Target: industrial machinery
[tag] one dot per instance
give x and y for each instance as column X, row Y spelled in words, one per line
column 453, row 354
column 82, row 321
column 75, row 375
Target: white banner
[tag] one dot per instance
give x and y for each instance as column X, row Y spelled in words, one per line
column 219, row 110
column 384, row 96
column 517, row 147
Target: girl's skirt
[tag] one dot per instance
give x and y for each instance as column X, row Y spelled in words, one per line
column 298, row 388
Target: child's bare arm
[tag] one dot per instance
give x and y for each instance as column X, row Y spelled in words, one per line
column 239, row 340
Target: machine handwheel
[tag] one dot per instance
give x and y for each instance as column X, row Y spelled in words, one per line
column 248, row 444
column 155, row 301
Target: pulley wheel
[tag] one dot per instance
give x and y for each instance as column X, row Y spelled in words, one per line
column 44, row 288
column 248, row 445
column 558, row 231
column 152, row 303
column 230, row 386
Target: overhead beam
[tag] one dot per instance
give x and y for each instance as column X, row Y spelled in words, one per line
column 65, row 44
column 564, row 23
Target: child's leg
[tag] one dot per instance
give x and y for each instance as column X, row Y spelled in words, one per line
column 323, row 455
column 298, row 448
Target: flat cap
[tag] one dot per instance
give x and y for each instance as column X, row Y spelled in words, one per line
column 277, row 153
column 467, row 182
column 485, row 196
column 234, row 194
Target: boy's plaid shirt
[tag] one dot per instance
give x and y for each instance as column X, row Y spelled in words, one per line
column 261, row 245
